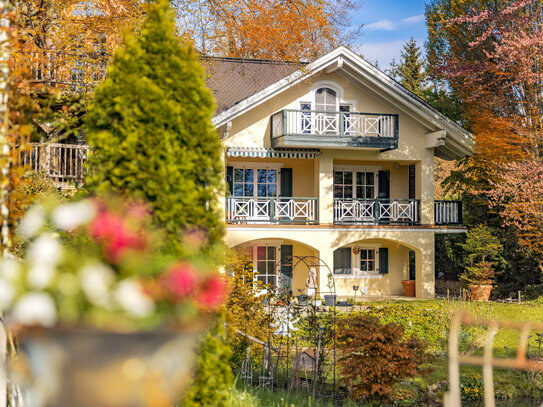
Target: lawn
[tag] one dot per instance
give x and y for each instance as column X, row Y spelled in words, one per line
column 429, row 320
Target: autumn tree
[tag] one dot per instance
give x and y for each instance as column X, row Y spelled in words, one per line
column 293, row 30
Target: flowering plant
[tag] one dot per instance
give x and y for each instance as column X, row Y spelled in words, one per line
column 100, row 262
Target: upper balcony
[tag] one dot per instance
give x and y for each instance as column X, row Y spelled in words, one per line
column 328, row 129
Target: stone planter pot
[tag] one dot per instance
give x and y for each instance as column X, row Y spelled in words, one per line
column 63, row 367
column 302, row 300
column 408, row 288
column 330, row 300
column 480, row 292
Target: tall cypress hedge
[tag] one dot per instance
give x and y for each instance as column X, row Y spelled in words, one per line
column 149, row 125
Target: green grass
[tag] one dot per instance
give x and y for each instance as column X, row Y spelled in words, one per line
column 429, row 319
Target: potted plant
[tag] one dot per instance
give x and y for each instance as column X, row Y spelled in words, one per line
column 481, row 252
column 330, row 299
column 408, row 288
column 96, row 298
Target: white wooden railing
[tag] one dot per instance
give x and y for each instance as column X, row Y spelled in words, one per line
column 376, row 211
column 354, row 124
column 64, row 163
column 279, row 209
column 448, row 212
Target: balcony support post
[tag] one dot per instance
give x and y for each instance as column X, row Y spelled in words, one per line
column 425, row 268
column 425, row 189
column 326, row 189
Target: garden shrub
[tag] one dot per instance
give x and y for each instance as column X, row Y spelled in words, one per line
column 214, row 380
column 374, row 356
column 150, row 128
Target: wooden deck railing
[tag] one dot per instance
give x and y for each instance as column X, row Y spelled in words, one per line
column 63, row 163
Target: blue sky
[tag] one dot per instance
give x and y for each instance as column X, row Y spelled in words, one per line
column 388, row 24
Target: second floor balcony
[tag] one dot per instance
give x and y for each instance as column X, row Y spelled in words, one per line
column 314, row 128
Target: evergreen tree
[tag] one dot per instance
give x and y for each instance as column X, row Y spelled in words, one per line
column 409, row 71
column 214, row 379
column 150, row 128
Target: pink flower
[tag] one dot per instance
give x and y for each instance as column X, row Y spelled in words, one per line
column 115, row 237
column 213, row 292
column 180, row 281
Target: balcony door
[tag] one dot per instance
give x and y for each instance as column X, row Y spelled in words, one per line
column 354, row 194
column 326, row 101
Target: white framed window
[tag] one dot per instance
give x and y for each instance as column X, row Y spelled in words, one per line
column 256, row 180
column 355, row 184
column 357, row 261
column 368, row 261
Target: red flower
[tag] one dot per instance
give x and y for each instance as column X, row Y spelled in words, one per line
column 116, row 238
column 180, row 281
column 213, row 292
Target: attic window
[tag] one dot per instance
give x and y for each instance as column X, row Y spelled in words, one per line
column 86, row 8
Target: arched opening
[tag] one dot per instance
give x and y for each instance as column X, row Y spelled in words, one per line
column 376, row 267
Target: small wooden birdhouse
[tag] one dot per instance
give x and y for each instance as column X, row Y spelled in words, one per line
column 305, row 361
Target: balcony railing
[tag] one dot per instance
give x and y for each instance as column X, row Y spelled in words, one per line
column 402, row 211
column 272, row 210
column 64, row 163
column 448, row 212
column 324, row 128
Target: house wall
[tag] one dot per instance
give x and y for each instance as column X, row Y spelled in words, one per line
column 314, row 178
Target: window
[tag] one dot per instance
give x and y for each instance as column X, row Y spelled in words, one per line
column 326, row 100
column 266, row 260
column 368, row 263
column 251, row 182
column 342, row 261
column 354, row 184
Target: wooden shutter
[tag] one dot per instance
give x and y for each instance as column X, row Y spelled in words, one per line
column 412, row 182
column 342, row 261
column 286, row 264
column 286, row 182
column 384, row 184
column 383, row 260
column 230, row 180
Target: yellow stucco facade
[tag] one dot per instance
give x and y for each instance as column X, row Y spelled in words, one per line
column 410, row 165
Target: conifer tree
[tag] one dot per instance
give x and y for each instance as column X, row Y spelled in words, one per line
column 150, row 128
column 214, row 379
column 410, row 70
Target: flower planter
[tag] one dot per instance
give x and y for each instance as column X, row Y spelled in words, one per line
column 408, row 288
column 88, row 368
column 330, row 300
column 480, row 292
column 302, row 300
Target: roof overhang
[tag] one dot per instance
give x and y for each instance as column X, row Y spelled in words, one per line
column 454, row 141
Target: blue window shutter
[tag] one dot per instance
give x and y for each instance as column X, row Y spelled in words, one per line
column 383, row 260
column 342, row 261
column 230, row 179
column 286, row 182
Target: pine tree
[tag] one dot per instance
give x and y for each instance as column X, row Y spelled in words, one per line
column 409, row 72
column 150, row 128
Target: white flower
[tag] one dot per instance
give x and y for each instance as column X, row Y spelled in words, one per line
column 45, row 250
column 7, row 292
column 69, row 216
column 40, row 275
column 132, row 299
column 96, row 280
column 35, row 309
column 32, row 222
column 10, row 269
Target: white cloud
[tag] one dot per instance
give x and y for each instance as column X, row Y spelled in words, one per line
column 383, row 52
column 381, row 25
column 413, row 19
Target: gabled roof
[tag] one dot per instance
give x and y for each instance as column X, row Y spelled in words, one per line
column 233, row 79
column 451, row 140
